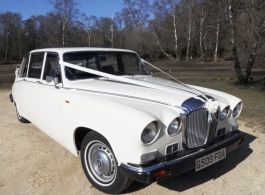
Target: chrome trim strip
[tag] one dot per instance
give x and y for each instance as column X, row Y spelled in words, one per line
column 107, row 93
column 142, row 170
column 208, row 129
column 38, row 82
column 121, row 95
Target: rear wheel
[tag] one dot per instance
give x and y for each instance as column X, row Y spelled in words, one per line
column 20, row 118
column 100, row 165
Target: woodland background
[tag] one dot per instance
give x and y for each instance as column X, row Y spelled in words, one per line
column 202, row 30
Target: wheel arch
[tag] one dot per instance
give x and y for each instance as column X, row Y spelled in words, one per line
column 79, row 136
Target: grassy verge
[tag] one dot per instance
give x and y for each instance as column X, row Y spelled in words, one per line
column 254, row 100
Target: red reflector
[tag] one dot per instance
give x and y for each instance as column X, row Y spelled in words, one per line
column 160, row 174
column 67, row 101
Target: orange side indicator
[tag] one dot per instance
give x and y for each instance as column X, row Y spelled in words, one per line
column 161, row 174
column 67, row 101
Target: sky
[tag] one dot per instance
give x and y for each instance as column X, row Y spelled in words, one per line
column 27, row 8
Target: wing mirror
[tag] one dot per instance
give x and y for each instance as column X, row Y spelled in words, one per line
column 50, row 79
column 17, row 70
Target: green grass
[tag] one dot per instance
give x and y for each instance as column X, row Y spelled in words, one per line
column 253, row 99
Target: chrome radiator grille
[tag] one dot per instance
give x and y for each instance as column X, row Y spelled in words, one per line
column 198, row 131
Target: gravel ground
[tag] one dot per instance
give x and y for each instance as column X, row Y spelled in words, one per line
column 32, row 163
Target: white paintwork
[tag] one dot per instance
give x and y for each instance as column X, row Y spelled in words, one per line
column 118, row 107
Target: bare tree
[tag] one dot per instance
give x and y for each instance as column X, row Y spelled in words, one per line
column 190, row 6
column 181, row 28
column 10, row 32
column 89, row 25
column 164, row 10
column 201, row 13
column 136, row 14
column 155, row 33
column 252, row 14
column 66, row 11
column 106, row 26
column 217, row 31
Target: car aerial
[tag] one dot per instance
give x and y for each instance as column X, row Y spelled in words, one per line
column 104, row 105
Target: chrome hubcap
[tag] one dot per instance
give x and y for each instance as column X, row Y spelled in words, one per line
column 101, row 162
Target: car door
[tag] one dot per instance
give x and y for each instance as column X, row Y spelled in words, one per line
column 47, row 98
column 19, row 88
column 37, row 100
column 30, row 84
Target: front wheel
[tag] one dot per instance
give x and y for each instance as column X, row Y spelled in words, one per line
column 100, row 165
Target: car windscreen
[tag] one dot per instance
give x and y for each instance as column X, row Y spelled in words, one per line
column 115, row 63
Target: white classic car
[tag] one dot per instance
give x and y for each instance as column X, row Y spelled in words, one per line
column 104, row 105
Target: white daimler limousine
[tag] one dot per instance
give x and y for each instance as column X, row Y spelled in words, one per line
column 104, row 105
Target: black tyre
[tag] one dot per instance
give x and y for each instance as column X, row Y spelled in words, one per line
column 21, row 118
column 100, row 165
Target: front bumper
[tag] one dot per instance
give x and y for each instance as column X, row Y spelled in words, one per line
column 176, row 163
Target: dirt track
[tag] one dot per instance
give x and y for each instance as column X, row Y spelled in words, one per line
column 32, row 163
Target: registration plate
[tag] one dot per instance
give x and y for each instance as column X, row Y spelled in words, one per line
column 210, row 159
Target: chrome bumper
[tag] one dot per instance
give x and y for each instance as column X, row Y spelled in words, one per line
column 178, row 163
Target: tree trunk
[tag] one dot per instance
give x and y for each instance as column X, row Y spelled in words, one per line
column 217, row 40
column 63, row 37
column 112, row 31
column 158, row 43
column 189, row 33
column 176, row 39
column 175, row 29
column 89, row 38
column 237, row 67
column 201, row 30
column 192, row 42
column 217, row 31
column 251, row 61
column 6, row 46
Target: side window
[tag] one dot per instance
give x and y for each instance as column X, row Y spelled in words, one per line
column 51, row 67
column 24, row 66
column 130, row 63
column 108, row 63
column 35, row 65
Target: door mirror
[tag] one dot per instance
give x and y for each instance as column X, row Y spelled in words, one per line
column 49, row 79
column 17, row 70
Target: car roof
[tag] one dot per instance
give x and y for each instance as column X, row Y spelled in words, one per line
column 75, row 49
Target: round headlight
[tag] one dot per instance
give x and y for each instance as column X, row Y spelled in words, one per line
column 237, row 109
column 149, row 133
column 174, row 127
column 224, row 113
